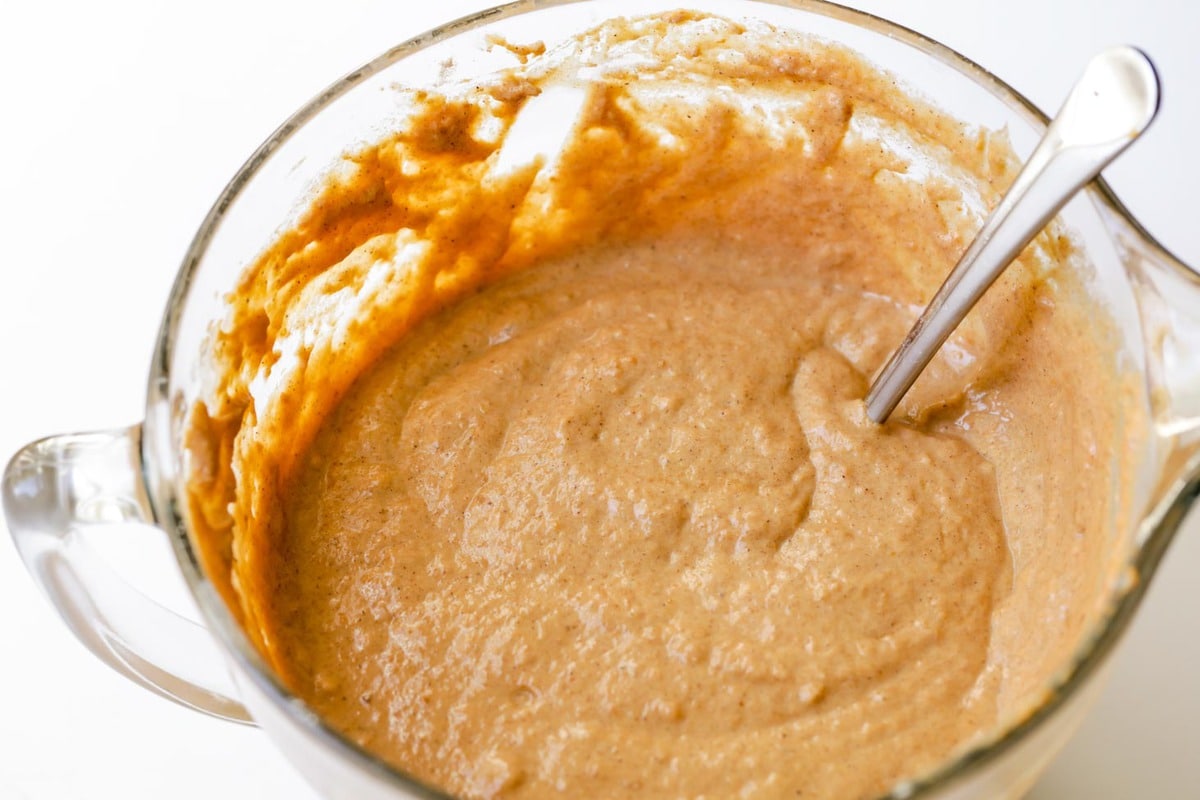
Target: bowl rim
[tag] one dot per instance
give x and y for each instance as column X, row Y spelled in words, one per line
column 1155, row 533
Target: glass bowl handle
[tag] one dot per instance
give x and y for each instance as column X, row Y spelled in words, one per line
column 52, row 490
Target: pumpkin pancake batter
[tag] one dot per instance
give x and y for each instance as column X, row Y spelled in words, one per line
column 568, row 488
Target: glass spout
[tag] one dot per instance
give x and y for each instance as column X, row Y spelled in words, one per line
column 1167, row 293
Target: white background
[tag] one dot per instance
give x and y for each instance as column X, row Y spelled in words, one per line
column 120, row 122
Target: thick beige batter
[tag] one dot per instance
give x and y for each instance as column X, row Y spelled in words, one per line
column 591, row 507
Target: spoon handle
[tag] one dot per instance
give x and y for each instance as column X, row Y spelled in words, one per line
column 1113, row 102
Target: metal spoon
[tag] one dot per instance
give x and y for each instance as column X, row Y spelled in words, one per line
column 1114, row 101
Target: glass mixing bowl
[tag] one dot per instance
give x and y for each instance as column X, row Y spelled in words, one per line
column 57, row 487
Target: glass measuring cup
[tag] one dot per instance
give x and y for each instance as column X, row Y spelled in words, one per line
column 223, row 248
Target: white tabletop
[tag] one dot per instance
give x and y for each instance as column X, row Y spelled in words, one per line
column 120, row 122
